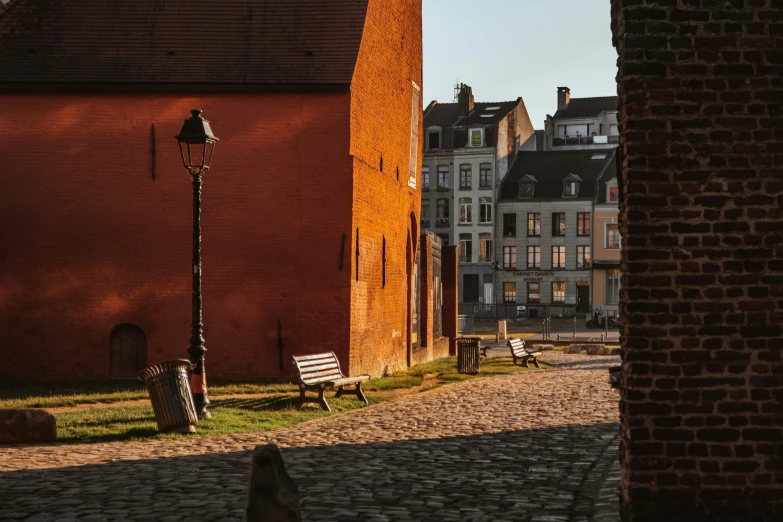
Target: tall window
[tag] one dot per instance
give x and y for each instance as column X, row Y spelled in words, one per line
column 534, row 256
column 558, row 224
column 485, row 210
column 612, row 236
column 465, row 210
column 526, row 189
column 444, row 238
column 571, row 188
column 465, row 248
column 509, row 257
column 383, row 263
column 476, row 137
column 413, row 167
column 443, row 212
column 509, row 292
column 612, row 287
column 534, row 225
column 583, row 256
column 614, row 194
column 465, row 176
column 534, row 292
column 509, row 225
column 558, row 292
column 485, row 175
column 443, row 176
column 485, row 247
column 582, row 223
column 433, row 139
column 425, row 178
column 425, row 211
column 558, row 257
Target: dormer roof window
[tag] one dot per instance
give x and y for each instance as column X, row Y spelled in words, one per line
column 571, row 186
column 527, row 186
column 434, row 138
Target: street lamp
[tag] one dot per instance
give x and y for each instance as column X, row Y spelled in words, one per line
column 197, row 146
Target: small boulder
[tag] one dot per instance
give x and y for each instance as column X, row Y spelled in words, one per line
column 595, row 349
column 27, row 426
column 271, row 493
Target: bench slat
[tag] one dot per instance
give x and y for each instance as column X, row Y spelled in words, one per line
column 320, row 367
column 317, row 362
column 300, row 358
column 325, row 379
column 332, row 374
column 351, row 380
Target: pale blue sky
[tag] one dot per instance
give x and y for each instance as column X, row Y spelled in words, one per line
column 505, row 49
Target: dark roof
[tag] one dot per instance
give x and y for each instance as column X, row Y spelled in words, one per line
column 551, row 168
column 587, row 107
column 455, row 135
column 244, row 42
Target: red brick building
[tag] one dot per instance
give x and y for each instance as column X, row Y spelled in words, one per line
column 310, row 212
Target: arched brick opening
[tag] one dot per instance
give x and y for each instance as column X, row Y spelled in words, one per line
column 701, row 105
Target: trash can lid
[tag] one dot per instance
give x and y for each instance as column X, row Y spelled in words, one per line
column 157, row 369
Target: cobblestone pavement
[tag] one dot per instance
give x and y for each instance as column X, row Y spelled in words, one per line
column 532, row 446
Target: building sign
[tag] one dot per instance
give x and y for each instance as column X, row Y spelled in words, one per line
column 533, row 276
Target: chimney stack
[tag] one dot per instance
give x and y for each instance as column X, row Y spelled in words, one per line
column 563, row 97
column 464, row 101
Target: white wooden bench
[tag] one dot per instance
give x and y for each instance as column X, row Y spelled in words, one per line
column 522, row 352
column 320, row 371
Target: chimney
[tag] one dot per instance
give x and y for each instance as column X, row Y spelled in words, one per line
column 464, row 101
column 563, row 97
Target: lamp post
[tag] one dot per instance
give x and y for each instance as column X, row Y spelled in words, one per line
column 197, row 146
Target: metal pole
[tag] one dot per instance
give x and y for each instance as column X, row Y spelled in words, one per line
column 197, row 350
column 543, row 330
column 574, row 326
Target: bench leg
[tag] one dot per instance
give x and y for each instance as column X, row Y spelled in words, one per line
column 340, row 392
column 535, row 361
column 515, row 359
column 302, row 398
column 322, row 399
column 360, row 393
column 525, row 361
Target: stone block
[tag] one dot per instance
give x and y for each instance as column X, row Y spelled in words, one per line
column 27, row 426
column 543, row 347
column 271, row 493
column 594, row 349
column 574, row 348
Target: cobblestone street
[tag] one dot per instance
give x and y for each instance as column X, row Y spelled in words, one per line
column 531, row 446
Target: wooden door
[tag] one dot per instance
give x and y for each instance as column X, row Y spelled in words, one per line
column 470, row 288
column 582, row 298
column 128, row 352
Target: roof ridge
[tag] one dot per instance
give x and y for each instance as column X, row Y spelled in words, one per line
column 595, row 97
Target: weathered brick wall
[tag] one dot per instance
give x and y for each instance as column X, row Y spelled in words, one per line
column 701, row 99
column 390, row 60
column 90, row 240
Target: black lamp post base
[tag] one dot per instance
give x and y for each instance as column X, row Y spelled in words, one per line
column 200, row 401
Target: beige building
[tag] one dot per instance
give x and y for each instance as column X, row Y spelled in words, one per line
column 606, row 249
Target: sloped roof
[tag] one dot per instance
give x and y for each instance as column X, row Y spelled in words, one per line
column 181, row 42
column 551, row 168
column 454, row 136
column 587, row 107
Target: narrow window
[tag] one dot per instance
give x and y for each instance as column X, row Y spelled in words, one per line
column 476, row 137
column 443, row 176
column 381, row 167
column 425, row 213
column 534, row 224
column 582, row 223
column 414, row 158
column 612, row 287
column 614, row 194
column 485, row 175
column 357, row 254
column 444, row 238
column 612, row 236
column 425, row 178
column 534, row 292
column 509, row 292
column 383, row 260
column 485, row 247
column 558, row 292
column 509, row 257
column 465, row 210
column 485, row 210
column 443, row 212
column 526, row 189
column 534, row 257
column 434, row 139
column 558, row 224
column 465, row 248
column 509, row 225
column 583, row 256
column 465, row 177
column 558, row 257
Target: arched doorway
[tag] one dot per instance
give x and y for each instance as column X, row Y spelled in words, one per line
column 127, row 352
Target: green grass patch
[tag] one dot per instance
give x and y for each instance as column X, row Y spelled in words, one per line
column 274, row 407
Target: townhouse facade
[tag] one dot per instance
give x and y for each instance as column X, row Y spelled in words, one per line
column 468, row 148
column 581, row 123
column 547, row 233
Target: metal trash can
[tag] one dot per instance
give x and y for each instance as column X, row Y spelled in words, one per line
column 468, row 360
column 172, row 402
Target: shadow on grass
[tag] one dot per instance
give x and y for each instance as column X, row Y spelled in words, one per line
column 276, row 403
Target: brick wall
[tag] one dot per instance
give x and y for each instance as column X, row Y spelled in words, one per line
column 390, row 60
column 702, row 401
column 91, row 241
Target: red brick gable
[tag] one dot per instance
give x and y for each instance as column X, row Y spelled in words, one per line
column 231, row 42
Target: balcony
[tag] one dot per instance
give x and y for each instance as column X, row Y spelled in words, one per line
column 425, row 222
column 585, row 140
column 442, row 222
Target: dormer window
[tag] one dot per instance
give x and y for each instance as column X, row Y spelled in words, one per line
column 434, row 135
column 612, row 191
column 571, row 186
column 476, row 137
column 527, row 186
